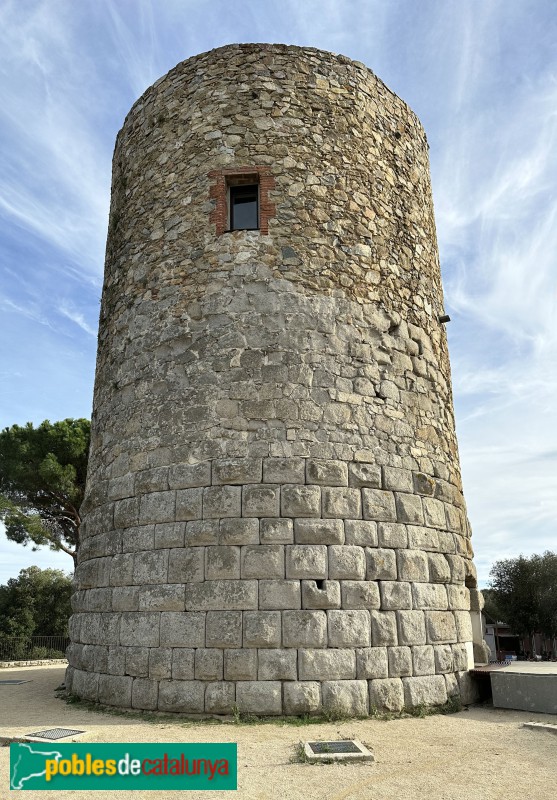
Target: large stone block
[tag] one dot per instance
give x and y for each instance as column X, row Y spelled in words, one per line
column 413, row 565
column 162, row 597
column 380, row 564
column 115, row 690
column 220, row 698
column 277, row 665
column 85, row 685
column 223, row 629
column 443, row 658
column 363, row 475
column 202, row 532
column 189, row 476
column 263, row 561
column 261, row 500
column 126, row 512
column 188, row 504
column 301, row 501
column 360, row 532
column 400, row 661
column 140, row 629
column 395, row 595
column 222, row 562
column 463, row 622
column 304, row 629
column 409, row 508
column 145, row 694
column 411, row 627
column 439, row 569
column 121, row 570
column 318, row 531
column 240, row 665
column 342, row 503
column 430, row 596
column 259, row 697
column 440, row 627
column 392, row 534
column 169, row 534
column 302, row 697
column 284, row 470
column 215, row 595
column 236, row 470
column 160, row 663
column 185, row 696
column 262, row 628
column 330, row 664
column 276, row 531
column 378, row 505
column 430, row 690
column 326, row 472
column 306, row 561
column 347, row 562
column 371, row 663
column 151, row 480
column 386, row 694
column 238, row 531
column 421, row 538
column 183, row 663
column 326, row 595
column 345, row 698
column 279, row 595
column 349, row 628
column 150, row 567
column 398, row 480
column 222, row 501
column 182, row 629
column 423, row 660
column 383, row 628
column 434, row 513
column 157, row 507
column 360, row 594
column 186, row 565
column 208, row 664
column 458, row 597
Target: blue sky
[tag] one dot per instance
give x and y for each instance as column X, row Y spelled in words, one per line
column 482, row 77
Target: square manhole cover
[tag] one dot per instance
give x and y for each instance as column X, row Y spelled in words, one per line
column 342, row 750
column 54, row 733
column 13, row 683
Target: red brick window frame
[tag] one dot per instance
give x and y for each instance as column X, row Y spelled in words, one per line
column 222, row 179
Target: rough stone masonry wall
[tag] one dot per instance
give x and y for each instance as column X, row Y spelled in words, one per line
column 274, row 518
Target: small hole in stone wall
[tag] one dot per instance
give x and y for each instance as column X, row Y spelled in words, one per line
column 470, row 582
column 397, row 135
column 320, row 584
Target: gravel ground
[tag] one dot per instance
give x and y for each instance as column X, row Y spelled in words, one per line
column 480, row 754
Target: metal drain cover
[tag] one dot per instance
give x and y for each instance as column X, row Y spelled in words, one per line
column 342, row 750
column 54, row 733
column 14, row 683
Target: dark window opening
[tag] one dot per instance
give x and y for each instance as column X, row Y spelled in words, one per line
column 244, row 207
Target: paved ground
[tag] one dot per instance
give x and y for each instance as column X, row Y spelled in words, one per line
column 479, row 754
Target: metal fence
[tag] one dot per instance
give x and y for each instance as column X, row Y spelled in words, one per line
column 32, row 647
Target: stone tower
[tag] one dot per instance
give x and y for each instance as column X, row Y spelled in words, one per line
column 274, row 518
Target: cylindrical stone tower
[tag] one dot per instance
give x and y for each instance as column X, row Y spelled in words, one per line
column 274, row 519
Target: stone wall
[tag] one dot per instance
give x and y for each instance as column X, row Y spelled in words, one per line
column 274, row 518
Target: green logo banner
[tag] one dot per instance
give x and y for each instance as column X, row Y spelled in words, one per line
column 94, row 767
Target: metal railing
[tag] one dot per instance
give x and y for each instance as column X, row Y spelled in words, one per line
column 32, row 648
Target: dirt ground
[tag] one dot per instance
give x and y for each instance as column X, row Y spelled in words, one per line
column 479, row 754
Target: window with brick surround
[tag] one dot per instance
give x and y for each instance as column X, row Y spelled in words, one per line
column 241, row 199
column 243, row 206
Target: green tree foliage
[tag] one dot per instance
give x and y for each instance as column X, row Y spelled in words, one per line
column 523, row 593
column 36, row 603
column 42, row 481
